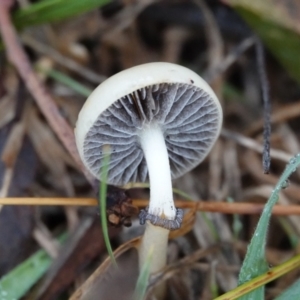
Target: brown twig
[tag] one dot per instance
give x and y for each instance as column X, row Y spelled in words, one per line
column 208, row 206
column 19, row 59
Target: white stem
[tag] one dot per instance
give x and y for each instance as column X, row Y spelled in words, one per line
column 155, row 239
column 156, row 155
column 154, row 242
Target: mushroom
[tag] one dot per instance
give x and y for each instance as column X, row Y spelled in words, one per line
column 160, row 120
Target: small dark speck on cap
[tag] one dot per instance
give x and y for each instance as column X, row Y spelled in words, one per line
column 192, row 81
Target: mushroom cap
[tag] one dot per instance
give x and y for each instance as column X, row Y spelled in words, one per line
column 163, row 94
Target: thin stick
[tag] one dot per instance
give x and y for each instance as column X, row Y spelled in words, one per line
column 47, row 105
column 209, row 206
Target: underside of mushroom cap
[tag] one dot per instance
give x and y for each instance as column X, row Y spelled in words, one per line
column 188, row 113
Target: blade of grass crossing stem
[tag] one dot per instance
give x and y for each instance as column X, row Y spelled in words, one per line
column 53, row 10
column 102, row 202
column 255, row 262
column 20, row 280
column 292, row 292
column 142, row 282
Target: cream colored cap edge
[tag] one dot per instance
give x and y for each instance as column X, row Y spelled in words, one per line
column 127, row 81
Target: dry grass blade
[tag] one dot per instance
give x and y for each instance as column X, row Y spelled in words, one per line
column 185, row 263
column 289, row 139
column 229, row 59
column 50, row 152
column 284, row 113
column 7, row 178
column 59, row 63
column 215, row 46
column 215, row 170
column 174, row 39
column 7, row 111
column 49, row 201
column 10, row 153
column 124, row 19
column 101, row 271
column 67, row 255
column 254, row 145
column 44, row 238
column 8, row 101
column 19, row 59
column 264, row 191
column 253, row 165
column 209, row 206
column 263, row 279
column 187, row 224
column 63, row 60
column 13, row 144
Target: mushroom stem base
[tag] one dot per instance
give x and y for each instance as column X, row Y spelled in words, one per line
column 154, row 243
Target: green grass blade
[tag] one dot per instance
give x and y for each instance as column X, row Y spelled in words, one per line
column 16, row 284
column 237, row 225
column 269, row 20
column 292, row 292
column 142, row 282
column 19, row 281
column 102, row 202
column 255, row 262
column 47, row 11
column 272, row 274
column 68, row 81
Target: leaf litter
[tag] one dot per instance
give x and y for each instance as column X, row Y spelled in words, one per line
column 98, row 44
